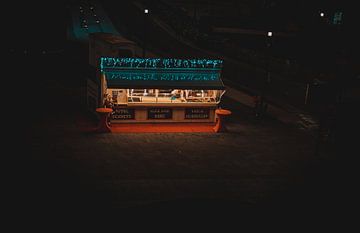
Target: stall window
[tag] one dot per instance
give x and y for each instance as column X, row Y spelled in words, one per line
column 172, row 95
column 164, row 92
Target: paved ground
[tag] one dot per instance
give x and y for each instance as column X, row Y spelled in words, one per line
column 254, row 164
column 257, row 165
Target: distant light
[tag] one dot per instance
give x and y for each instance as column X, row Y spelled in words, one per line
column 269, row 34
column 43, row 52
column 97, row 21
column 322, row 14
column 146, row 11
column 337, row 17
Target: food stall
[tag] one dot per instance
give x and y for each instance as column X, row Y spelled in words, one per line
column 147, row 90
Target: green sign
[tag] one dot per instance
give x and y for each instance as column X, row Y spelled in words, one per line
column 158, row 64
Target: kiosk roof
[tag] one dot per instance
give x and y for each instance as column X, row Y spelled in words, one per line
column 162, row 73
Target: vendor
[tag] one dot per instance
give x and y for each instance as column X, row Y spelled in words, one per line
column 108, row 101
column 175, row 94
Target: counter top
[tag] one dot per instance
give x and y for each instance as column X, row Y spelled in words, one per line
column 195, row 104
column 104, row 110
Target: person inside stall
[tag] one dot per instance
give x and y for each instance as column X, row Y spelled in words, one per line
column 186, row 94
column 114, row 99
column 108, row 104
column 108, row 101
column 212, row 95
column 175, row 94
column 122, row 97
column 182, row 96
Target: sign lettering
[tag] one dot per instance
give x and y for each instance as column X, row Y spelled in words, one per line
column 159, row 113
column 123, row 114
column 197, row 113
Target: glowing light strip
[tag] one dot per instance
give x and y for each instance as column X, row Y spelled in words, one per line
column 160, row 64
column 175, row 77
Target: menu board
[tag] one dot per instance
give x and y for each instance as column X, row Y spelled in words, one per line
column 123, row 114
column 197, row 113
column 159, row 113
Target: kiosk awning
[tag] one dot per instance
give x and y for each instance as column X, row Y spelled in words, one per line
column 162, row 73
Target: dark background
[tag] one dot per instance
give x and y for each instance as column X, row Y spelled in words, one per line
column 41, row 25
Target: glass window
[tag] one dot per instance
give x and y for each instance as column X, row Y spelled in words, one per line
column 172, row 96
column 117, row 96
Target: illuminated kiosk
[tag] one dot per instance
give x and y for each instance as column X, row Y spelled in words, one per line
column 151, row 90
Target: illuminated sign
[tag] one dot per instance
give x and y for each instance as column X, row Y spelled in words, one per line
column 159, row 64
column 159, row 113
column 197, row 113
column 152, row 76
column 162, row 73
column 123, row 114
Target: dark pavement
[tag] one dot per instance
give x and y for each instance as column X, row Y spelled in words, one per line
column 263, row 165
